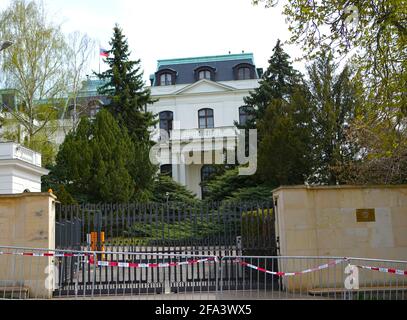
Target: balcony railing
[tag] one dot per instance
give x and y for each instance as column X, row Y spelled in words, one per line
column 185, row 135
column 11, row 151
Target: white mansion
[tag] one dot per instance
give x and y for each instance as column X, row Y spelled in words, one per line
column 200, row 98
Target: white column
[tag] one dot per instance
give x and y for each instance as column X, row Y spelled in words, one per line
column 183, row 174
column 175, row 172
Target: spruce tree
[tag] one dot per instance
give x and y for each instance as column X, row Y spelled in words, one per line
column 285, row 155
column 125, row 88
column 335, row 98
column 128, row 102
column 277, row 82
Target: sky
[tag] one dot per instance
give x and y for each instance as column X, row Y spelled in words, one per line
column 166, row 29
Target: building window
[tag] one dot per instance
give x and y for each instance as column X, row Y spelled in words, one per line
column 166, row 120
column 206, row 173
column 204, row 74
column 166, row 79
column 166, row 170
column 244, row 116
column 243, row 73
column 206, row 119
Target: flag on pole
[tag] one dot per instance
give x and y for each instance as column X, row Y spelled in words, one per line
column 104, row 53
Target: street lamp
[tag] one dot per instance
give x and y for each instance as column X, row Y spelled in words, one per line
column 5, row 44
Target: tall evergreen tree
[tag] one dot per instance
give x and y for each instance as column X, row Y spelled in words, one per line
column 277, row 82
column 128, row 102
column 125, row 88
column 285, row 151
column 334, row 96
column 93, row 162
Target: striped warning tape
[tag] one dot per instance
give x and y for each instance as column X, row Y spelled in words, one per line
column 191, row 262
column 385, row 270
column 46, row 254
column 147, row 265
column 290, row 274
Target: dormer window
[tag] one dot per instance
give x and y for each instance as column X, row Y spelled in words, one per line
column 244, row 71
column 205, row 72
column 166, row 77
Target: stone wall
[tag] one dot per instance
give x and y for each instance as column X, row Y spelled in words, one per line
column 27, row 220
column 342, row 221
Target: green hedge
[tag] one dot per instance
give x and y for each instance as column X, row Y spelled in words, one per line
column 258, row 232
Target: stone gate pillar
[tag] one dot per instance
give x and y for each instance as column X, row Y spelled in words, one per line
column 27, row 220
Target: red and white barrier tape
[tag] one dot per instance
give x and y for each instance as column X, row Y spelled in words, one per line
column 290, row 274
column 147, row 265
column 385, row 270
column 47, row 254
column 191, row 262
column 109, row 263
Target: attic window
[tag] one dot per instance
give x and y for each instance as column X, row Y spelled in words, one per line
column 166, row 77
column 244, row 71
column 205, row 72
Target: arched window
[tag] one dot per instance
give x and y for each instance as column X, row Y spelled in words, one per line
column 166, row 120
column 244, row 71
column 244, row 115
column 205, row 72
column 166, row 169
column 206, row 173
column 206, row 119
column 166, row 79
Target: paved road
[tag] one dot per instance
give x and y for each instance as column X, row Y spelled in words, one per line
column 247, row 296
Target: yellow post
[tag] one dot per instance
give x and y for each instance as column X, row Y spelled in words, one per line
column 102, row 242
column 93, row 241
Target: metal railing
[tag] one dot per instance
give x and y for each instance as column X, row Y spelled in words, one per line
column 299, row 277
column 27, row 273
column 44, row 274
column 214, row 228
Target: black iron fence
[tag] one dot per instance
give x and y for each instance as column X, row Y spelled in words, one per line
column 206, row 229
column 68, row 233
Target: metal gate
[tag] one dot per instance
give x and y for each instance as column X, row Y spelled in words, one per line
column 203, row 229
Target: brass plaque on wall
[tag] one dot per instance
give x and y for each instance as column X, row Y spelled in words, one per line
column 366, row 215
